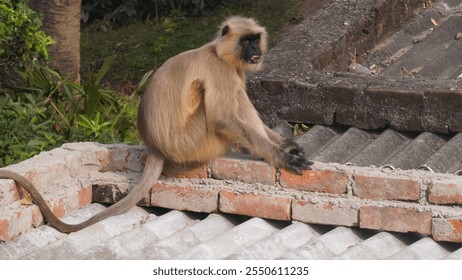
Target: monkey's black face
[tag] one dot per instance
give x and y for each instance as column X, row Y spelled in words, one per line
column 250, row 48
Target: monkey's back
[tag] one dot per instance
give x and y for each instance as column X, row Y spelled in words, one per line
column 183, row 87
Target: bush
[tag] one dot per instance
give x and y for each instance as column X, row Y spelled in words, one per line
column 49, row 111
column 25, row 127
column 119, row 12
column 21, row 40
column 44, row 109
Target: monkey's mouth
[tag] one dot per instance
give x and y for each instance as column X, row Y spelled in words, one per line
column 255, row 59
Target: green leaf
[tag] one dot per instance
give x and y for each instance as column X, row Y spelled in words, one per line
column 104, row 68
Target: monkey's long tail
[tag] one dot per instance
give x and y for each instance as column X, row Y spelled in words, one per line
column 152, row 170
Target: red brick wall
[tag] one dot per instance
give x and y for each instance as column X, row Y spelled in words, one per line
column 373, row 198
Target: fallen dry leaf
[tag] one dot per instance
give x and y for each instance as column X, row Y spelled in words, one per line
column 26, row 200
column 434, row 21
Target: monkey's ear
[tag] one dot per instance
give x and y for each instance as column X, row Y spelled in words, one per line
column 225, row 31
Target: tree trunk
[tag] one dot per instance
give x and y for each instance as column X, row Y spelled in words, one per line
column 61, row 20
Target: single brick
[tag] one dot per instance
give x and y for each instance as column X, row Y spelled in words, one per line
column 324, row 213
column 15, row 222
column 184, row 196
column 244, row 170
column 119, row 157
column 385, row 187
column 8, row 192
column 41, row 175
column 446, row 192
column 59, row 208
column 37, row 218
column 395, row 219
column 256, row 205
column 194, row 172
column 102, row 156
column 447, row 229
column 329, row 181
column 85, row 195
column 4, row 229
column 24, row 219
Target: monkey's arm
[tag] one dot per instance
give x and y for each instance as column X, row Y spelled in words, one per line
column 288, row 145
column 275, row 137
column 246, row 128
column 245, row 134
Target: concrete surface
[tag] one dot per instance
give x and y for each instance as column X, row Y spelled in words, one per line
column 309, row 76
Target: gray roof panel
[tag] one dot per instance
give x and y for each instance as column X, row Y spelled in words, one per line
column 346, row 146
column 424, row 249
column 440, row 153
column 139, row 234
column 419, row 149
column 379, row 246
column 446, row 159
column 230, row 242
column 381, row 149
column 278, row 244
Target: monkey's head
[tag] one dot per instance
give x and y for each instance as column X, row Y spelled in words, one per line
column 242, row 42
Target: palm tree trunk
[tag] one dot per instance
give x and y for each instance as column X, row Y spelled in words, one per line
column 61, row 20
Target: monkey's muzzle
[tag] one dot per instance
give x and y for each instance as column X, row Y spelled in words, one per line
column 255, row 59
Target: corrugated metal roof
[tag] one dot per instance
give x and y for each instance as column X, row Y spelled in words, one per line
column 138, row 234
column 439, row 153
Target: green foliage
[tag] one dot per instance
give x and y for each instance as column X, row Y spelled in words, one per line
column 26, row 128
column 142, row 46
column 63, row 97
column 21, row 40
column 116, row 13
column 51, row 110
column 190, row 7
column 93, row 127
column 93, row 96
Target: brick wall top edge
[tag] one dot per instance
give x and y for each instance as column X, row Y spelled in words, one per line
column 382, row 171
column 59, row 154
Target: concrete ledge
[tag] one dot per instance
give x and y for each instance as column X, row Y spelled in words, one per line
column 378, row 102
column 334, row 194
column 304, row 79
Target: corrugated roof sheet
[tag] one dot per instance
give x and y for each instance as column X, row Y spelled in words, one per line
column 138, row 234
column 428, row 151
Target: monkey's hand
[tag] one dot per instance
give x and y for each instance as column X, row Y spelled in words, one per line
column 294, row 158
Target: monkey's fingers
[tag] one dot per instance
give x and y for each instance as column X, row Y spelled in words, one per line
column 304, row 164
column 295, row 164
column 293, row 169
